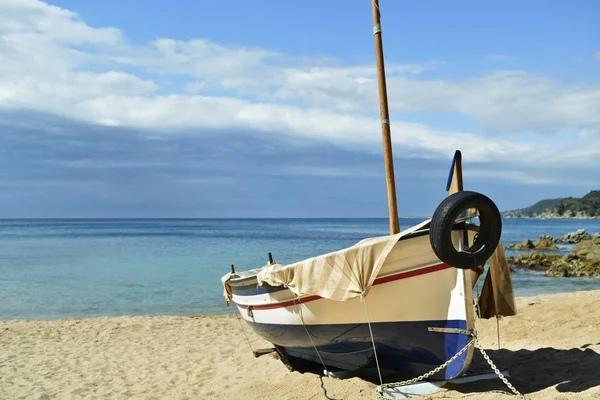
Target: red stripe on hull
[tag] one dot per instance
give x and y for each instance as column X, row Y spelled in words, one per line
column 283, row 304
column 410, row 274
column 378, row 281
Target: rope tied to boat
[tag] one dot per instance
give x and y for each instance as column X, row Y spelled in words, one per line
column 309, row 336
column 244, row 331
column 434, row 371
column 364, row 301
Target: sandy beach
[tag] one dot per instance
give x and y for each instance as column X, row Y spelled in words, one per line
column 552, row 350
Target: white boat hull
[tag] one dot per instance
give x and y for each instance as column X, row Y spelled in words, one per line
column 413, row 292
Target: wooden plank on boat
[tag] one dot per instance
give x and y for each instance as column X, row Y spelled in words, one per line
column 450, row 330
column 262, row 352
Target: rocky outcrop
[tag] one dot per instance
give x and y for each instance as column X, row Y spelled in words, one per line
column 524, row 245
column 545, row 243
column 588, row 248
column 534, row 260
column 573, row 237
column 572, row 266
column 542, row 243
column 582, row 261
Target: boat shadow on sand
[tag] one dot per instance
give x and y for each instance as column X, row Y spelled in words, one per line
column 570, row 370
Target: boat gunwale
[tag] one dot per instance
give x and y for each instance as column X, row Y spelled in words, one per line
column 423, row 270
column 250, row 280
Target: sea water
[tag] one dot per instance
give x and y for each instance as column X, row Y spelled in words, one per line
column 87, row 268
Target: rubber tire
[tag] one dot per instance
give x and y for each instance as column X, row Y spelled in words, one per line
column 442, row 222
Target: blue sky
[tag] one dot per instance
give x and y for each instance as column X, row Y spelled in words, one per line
column 269, row 109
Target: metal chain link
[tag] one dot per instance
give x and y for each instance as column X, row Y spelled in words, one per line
column 497, row 371
column 428, row 374
column 444, row 365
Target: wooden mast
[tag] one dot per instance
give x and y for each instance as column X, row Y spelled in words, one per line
column 385, row 123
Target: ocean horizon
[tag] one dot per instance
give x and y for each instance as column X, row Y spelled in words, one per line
column 91, row 267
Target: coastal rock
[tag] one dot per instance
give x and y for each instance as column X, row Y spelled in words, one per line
column 571, row 266
column 545, row 243
column 534, row 260
column 589, row 249
column 582, row 261
column 574, row 237
column 524, row 245
column 552, row 239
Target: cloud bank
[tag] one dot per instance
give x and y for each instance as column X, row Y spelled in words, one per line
column 523, row 127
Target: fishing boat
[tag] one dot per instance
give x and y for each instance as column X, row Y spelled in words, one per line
column 402, row 302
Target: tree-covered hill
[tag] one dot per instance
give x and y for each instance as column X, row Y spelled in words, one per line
column 585, row 207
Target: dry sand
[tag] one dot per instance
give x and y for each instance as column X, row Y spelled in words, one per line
column 552, row 350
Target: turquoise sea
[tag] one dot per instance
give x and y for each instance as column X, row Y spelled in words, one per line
column 86, row 268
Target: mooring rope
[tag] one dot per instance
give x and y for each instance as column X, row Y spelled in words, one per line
column 498, row 329
column 243, row 330
column 310, row 337
column 364, row 301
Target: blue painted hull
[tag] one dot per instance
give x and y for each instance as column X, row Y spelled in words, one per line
column 406, row 348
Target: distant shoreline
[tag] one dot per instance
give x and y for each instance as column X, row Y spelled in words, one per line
column 586, row 207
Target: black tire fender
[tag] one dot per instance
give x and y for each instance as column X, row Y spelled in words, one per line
column 442, row 223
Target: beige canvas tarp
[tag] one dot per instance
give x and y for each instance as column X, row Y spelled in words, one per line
column 340, row 275
column 227, row 293
column 497, row 298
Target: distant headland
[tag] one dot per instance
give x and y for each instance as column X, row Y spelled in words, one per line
column 586, row 207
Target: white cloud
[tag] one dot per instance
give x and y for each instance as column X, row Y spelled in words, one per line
column 45, row 67
column 505, row 100
column 37, row 20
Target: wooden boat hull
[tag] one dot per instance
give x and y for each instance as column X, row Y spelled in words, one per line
column 413, row 292
column 406, row 348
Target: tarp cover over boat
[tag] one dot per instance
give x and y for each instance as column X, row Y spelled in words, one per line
column 341, row 275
